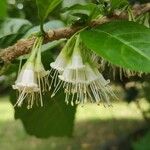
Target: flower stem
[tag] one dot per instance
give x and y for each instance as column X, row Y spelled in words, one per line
column 35, row 48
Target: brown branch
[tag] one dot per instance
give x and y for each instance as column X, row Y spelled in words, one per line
column 24, row 46
column 20, row 48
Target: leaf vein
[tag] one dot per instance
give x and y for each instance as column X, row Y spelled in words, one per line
column 124, row 42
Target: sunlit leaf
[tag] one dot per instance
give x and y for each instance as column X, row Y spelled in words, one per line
column 123, row 43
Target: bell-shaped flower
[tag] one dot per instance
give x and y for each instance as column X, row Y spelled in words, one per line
column 81, row 78
column 26, row 84
column 73, row 77
column 98, row 88
column 74, row 83
column 74, row 71
column 28, row 81
column 61, row 61
column 58, row 66
column 42, row 75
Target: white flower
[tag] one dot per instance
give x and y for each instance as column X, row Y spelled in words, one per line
column 75, row 70
column 98, row 88
column 58, row 66
column 87, row 84
column 73, row 73
column 26, row 78
column 61, row 61
column 26, row 84
column 42, row 75
column 76, row 61
column 33, row 78
column 81, row 78
column 74, row 82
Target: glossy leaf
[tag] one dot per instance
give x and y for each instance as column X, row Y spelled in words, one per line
column 46, row 7
column 11, row 30
column 118, row 3
column 125, row 44
column 91, row 10
column 12, row 26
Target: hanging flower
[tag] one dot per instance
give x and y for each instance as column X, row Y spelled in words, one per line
column 82, row 80
column 86, row 84
column 73, row 77
column 74, row 71
column 32, row 79
column 26, row 84
column 58, row 66
column 98, row 87
column 42, row 74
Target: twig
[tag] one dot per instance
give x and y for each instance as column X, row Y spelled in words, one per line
column 24, row 46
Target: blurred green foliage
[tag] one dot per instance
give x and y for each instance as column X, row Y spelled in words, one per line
column 143, row 143
column 3, row 8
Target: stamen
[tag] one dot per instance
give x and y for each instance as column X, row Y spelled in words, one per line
column 40, row 90
column 59, row 85
column 21, row 98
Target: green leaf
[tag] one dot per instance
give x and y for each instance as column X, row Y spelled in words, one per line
column 11, row 30
column 55, row 118
column 46, row 7
column 123, row 43
column 51, row 45
column 91, row 10
column 142, row 142
column 118, row 3
column 3, row 9
column 12, row 26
